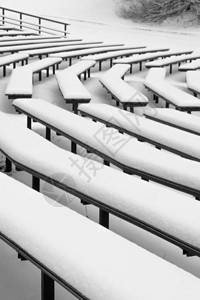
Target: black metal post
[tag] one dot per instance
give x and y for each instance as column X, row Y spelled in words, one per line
column 36, row 183
column 47, row 287
column 48, row 133
column 103, row 218
column 29, row 122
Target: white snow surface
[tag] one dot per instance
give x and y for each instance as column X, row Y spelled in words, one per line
column 70, row 86
column 165, row 209
column 190, row 66
column 131, row 152
column 95, row 261
column 163, row 134
column 20, row 82
column 177, row 118
column 192, row 80
column 168, row 91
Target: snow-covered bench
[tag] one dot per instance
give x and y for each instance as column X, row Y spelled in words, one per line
column 171, row 61
column 20, row 83
column 71, row 87
column 166, row 213
column 146, row 57
column 93, row 262
column 47, row 51
column 17, row 33
column 37, row 41
column 13, row 59
column 113, row 147
column 156, row 83
column 115, row 54
column 28, row 38
column 79, row 53
column 192, row 80
column 175, row 118
column 121, row 91
column 38, row 46
column 192, row 66
column 162, row 136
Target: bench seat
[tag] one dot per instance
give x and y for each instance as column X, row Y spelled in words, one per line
column 121, row 91
column 170, row 215
column 92, row 263
column 13, row 59
column 160, row 135
column 38, row 41
column 38, row 46
column 171, row 94
column 46, row 51
column 192, row 66
column 84, row 52
column 72, row 89
column 115, row 54
column 148, row 57
column 20, row 83
column 17, row 33
column 192, row 80
column 174, row 118
column 121, row 150
column 170, row 61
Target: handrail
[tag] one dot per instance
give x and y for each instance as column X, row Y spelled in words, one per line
column 15, row 22
column 36, row 17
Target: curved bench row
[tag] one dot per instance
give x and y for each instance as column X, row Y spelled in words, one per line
column 163, row 212
column 121, row 91
column 162, row 136
column 71, row 87
column 115, row 54
column 135, row 59
column 92, row 263
column 181, row 100
column 20, row 83
column 126, row 153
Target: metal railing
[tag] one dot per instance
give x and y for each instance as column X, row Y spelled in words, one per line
column 34, row 22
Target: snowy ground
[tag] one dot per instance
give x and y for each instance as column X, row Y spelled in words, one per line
column 90, row 20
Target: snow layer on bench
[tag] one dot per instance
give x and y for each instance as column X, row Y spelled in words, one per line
column 20, row 82
column 165, row 135
column 168, row 61
column 168, row 91
column 71, row 87
column 80, row 67
column 193, row 79
column 121, row 148
column 177, row 118
column 42, row 64
column 190, row 66
column 12, row 58
column 117, row 70
column 95, row 261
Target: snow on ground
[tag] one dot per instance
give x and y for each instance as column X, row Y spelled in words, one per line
column 90, row 20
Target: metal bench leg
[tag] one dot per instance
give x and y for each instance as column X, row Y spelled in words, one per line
column 132, row 109
column 48, row 133
column 106, row 163
column 54, row 69
column 47, row 72
column 70, row 61
column 73, row 147
column 29, row 122
column 167, row 105
column 170, row 69
column 99, row 65
column 140, row 66
column 8, row 166
column 103, row 218
column 4, row 71
column 36, row 183
column 40, row 75
column 88, row 73
column 47, row 287
column 75, row 108
column 85, row 75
